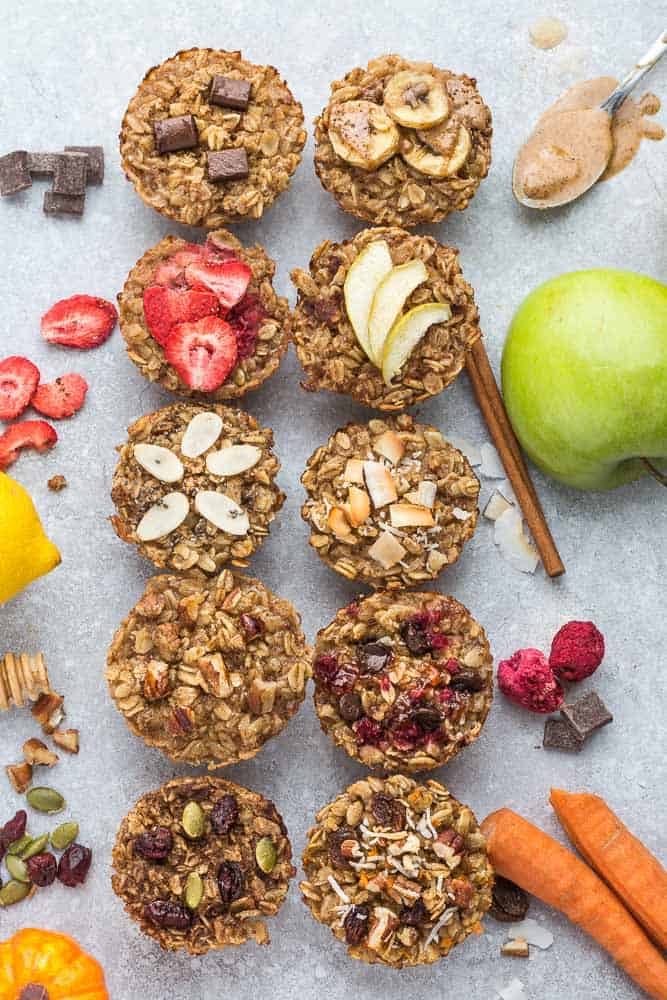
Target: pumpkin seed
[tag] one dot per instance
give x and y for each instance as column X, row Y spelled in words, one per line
column 194, row 890
column 36, row 846
column 46, row 800
column 19, row 845
column 64, row 834
column 14, row 892
column 17, row 868
column 193, row 820
column 266, row 855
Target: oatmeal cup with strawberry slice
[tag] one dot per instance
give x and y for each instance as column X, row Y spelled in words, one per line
column 403, row 682
column 203, row 320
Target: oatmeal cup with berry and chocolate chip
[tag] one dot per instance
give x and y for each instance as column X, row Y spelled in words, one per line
column 200, row 862
column 390, row 503
column 403, row 682
column 210, row 138
column 195, row 486
column 203, row 320
column 208, row 670
column 398, row 870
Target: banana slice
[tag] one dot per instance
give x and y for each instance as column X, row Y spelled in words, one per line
column 447, row 161
column 406, row 334
column 416, row 100
column 362, row 134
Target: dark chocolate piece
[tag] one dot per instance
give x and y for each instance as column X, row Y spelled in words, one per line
column 63, row 204
column 174, row 134
column 559, row 735
column 69, row 176
column 509, row 902
column 228, row 165
column 14, row 173
column 229, row 93
column 42, row 164
column 587, row 714
column 95, row 156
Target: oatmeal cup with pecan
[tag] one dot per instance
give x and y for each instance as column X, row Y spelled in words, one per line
column 200, row 862
column 403, row 143
column 398, row 870
column 386, row 318
column 403, row 682
column 208, row 670
column 210, row 138
column 203, row 320
column 390, row 503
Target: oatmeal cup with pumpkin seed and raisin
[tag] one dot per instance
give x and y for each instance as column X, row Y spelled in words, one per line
column 210, row 138
column 390, row 503
column 397, row 870
column 200, row 862
column 203, row 320
column 208, row 670
column 403, row 681
column 403, row 143
column 385, row 317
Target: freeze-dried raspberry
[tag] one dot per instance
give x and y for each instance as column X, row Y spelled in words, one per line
column 527, row 679
column 576, row 651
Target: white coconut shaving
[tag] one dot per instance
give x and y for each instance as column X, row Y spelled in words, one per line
column 506, row 490
column 491, row 466
column 450, row 912
column 533, row 932
column 514, row 545
column 470, row 450
column 513, row 990
column 337, row 889
column 496, row 505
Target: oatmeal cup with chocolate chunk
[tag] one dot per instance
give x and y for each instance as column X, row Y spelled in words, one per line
column 210, row 138
column 390, row 503
column 398, row 870
column 200, row 862
column 195, row 486
column 403, row 143
column 403, row 682
column 203, row 320
column 208, row 670
column 385, row 317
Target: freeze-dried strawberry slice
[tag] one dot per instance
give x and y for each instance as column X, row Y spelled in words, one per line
column 18, row 380
column 203, row 353
column 80, row 321
column 61, row 398
column 216, row 252
column 171, row 271
column 165, row 308
column 29, row 434
column 245, row 320
column 229, row 280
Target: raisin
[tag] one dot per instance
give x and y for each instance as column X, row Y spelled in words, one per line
column 510, row 903
column 407, row 736
column 388, row 811
column 224, row 814
column 373, row 657
column 335, row 841
column 42, row 869
column 12, row 830
column 415, row 638
column 231, row 882
column 350, row 707
column 427, row 718
column 155, row 844
column 468, row 680
column 415, row 915
column 334, row 676
column 251, row 626
column 368, row 731
column 74, row 865
column 165, row 913
column 356, row 924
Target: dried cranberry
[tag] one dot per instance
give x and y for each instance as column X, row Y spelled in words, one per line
column 353, row 609
column 165, row 913
column 250, row 625
column 373, row 657
column 415, row 637
column 407, row 735
column 74, row 865
column 335, row 841
column 245, row 319
column 427, row 718
column 231, row 882
column 415, row 915
column 468, row 680
column 355, row 924
column 388, row 811
column 224, row 814
column 42, row 869
column 438, row 640
column 368, row 731
column 12, row 830
column 155, row 844
column 350, row 707
column 452, row 666
column 334, row 676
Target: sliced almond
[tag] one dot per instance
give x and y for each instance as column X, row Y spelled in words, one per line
column 390, row 446
column 159, row 462
column 380, row 483
column 338, row 522
column 410, row 515
column 354, row 471
column 163, row 517
column 201, row 433
column 234, row 460
column 387, row 550
column 358, row 506
column 222, row 511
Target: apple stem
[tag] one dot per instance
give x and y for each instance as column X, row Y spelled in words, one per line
column 656, row 473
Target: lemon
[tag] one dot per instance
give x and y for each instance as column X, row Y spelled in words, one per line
column 25, row 551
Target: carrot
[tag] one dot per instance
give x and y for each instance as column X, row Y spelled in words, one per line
column 617, row 856
column 540, row 865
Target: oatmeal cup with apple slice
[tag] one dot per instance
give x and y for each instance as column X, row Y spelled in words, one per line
column 386, row 318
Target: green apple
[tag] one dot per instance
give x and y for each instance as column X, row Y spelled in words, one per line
column 388, row 301
column 366, row 272
column 584, row 375
column 406, row 333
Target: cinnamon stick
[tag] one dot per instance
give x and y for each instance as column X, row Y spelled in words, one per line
column 495, row 415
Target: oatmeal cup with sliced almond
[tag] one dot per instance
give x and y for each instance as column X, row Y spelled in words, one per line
column 386, row 318
column 390, row 503
column 403, row 143
column 397, row 870
column 195, row 487
column 403, row 681
column 202, row 319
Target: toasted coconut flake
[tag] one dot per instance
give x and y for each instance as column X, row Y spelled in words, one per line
column 461, row 514
column 380, row 484
column 491, row 466
column 409, row 515
column 467, row 448
column 514, row 546
column 338, row 522
column 427, row 492
column 516, row 949
column 390, row 446
column 358, row 506
column 354, row 471
column 496, row 506
column 387, row 550
column 505, row 488
column 532, row 932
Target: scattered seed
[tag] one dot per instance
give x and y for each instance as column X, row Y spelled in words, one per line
column 64, row 834
column 193, row 820
column 14, row 892
column 19, row 845
column 265, row 853
column 46, row 800
column 17, row 868
column 194, row 891
column 36, row 846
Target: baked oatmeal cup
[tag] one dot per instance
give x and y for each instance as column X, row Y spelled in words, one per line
column 203, row 320
column 398, row 870
column 403, row 682
column 210, row 138
column 200, row 862
column 194, row 486
column 208, row 670
column 390, row 503
column 385, row 317
column 403, row 143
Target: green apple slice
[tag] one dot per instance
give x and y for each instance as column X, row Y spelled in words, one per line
column 363, row 278
column 388, row 302
column 406, row 334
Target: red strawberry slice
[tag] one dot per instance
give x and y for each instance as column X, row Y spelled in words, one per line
column 61, row 398
column 245, row 320
column 216, row 252
column 165, row 308
column 171, row 271
column 29, row 434
column 18, row 381
column 81, row 321
column 229, row 280
column 203, row 353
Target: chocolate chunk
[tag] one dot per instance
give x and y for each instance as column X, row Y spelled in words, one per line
column 42, row 164
column 14, row 173
column 63, row 204
column 228, row 165
column 587, row 715
column 229, row 93
column 374, row 657
column 95, row 154
column 510, row 903
column 173, row 134
column 559, row 735
column 69, row 176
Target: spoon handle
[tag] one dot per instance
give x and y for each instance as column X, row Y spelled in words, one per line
column 642, row 67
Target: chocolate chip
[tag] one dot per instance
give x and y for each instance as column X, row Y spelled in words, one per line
column 63, row 204
column 415, row 638
column 95, row 154
column 510, row 903
column 373, row 657
column 174, row 134
column 587, row 715
column 42, row 164
column 228, row 165
column 467, row 680
column 427, row 718
column 228, row 92
column 14, row 173
column 69, row 176
column 559, row 735
column 350, row 707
